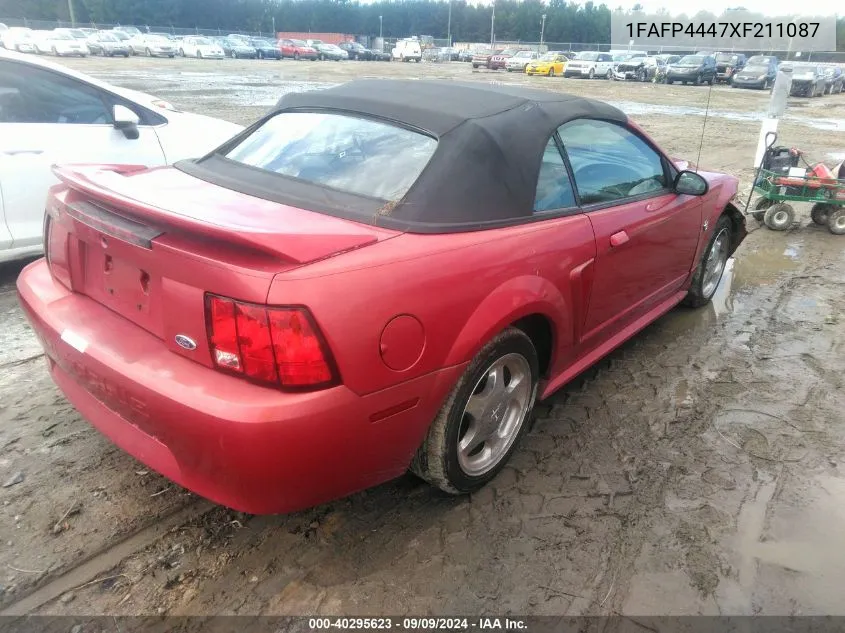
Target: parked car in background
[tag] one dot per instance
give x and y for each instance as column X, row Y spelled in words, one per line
column 236, row 48
column 520, row 61
column 240, row 379
column 18, row 38
column 59, row 43
column 297, row 49
column 355, row 50
column 107, row 44
column 641, row 68
column 88, row 31
column 120, row 35
column 589, row 65
column 51, row 114
column 465, row 55
column 834, row 79
column 328, row 51
column 77, row 34
column 550, row 64
column 668, row 59
column 695, row 69
column 265, row 49
column 623, row 57
column 728, row 64
column 482, row 57
column 760, row 71
column 499, row 60
column 152, row 46
column 200, row 47
column 377, row 55
column 808, row 80
column 131, row 31
column 407, row 51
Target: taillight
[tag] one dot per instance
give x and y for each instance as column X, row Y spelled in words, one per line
column 274, row 345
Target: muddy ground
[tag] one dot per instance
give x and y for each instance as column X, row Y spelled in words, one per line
column 700, row 469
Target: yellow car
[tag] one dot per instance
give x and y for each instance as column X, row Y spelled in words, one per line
column 550, row 64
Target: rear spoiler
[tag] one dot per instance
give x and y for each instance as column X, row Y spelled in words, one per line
column 107, row 184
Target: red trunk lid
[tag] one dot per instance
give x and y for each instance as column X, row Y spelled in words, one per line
column 149, row 245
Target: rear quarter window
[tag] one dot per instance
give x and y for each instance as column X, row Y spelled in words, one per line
column 356, row 155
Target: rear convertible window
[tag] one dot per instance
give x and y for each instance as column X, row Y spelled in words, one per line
column 351, row 154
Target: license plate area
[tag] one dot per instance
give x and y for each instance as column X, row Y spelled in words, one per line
column 126, row 285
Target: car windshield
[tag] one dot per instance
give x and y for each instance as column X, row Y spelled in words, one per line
column 299, row 43
column 201, row 41
column 524, row 55
column 157, row 39
column 315, row 42
column 759, row 60
column 549, row 57
column 509, row 51
column 587, row 56
column 107, row 37
column 347, row 153
column 725, row 57
column 691, row 60
column 120, row 35
column 484, row 52
column 61, row 36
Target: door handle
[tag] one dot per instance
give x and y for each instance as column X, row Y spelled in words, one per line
column 618, row 239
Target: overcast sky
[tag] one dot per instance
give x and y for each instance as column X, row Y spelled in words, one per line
column 767, row 7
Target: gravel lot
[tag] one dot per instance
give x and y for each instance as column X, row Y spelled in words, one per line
column 699, row 469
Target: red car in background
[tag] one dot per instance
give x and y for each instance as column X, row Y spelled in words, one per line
column 297, row 49
column 500, row 60
column 376, row 277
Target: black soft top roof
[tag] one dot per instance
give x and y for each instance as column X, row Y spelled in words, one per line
column 483, row 173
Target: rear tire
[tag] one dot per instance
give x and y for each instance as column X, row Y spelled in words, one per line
column 760, row 208
column 779, row 217
column 836, row 221
column 551, row 72
column 592, row 74
column 711, row 266
column 440, row 459
column 820, row 212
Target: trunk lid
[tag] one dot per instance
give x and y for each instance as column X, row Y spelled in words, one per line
column 149, row 244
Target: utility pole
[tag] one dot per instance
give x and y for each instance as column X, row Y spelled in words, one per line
column 542, row 30
column 274, row 28
column 493, row 26
column 380, row 24
column 70, row 11
column 449, row 24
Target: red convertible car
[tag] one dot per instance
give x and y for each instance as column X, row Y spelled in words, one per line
column 377, row 277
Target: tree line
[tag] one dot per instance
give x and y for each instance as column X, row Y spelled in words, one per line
column 514, row 19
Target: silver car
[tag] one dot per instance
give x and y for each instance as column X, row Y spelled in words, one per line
column 152, row 46
column 520, row 60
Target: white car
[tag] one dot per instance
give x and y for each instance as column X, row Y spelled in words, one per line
column 152, row 46
column 51, row 115
column 200, row 47
column 18, row 38
column 407, row 50
column 59, row 43
column 590, row 64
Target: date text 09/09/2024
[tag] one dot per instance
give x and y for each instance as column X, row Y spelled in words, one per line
column 722, row 29
column 419, row 624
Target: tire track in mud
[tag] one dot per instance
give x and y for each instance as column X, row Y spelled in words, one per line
column 99, row 563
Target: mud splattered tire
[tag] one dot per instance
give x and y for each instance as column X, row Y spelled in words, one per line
column 820, row 212
column 836, row 221
column 711, row 266
column 760, row 208
column 493, row 399
column 779, row 217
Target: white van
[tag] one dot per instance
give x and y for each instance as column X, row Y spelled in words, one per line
column 407, row 50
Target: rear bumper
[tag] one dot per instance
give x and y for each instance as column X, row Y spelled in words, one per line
column 248, row 447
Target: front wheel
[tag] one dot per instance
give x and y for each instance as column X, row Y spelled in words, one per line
column 710, row 268
column 296, row 56
column 609, row 74
column 779, row 217
column 149, row 53
column 592, row 74
column 234, row 55
column 478, row 427
column 551, row 72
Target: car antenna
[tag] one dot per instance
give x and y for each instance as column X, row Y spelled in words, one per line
column 703, row 128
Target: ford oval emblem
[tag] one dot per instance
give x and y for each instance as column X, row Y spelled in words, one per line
column 185, row 342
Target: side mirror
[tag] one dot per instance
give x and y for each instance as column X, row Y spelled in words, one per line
column 126, row 121
column 690, row 183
